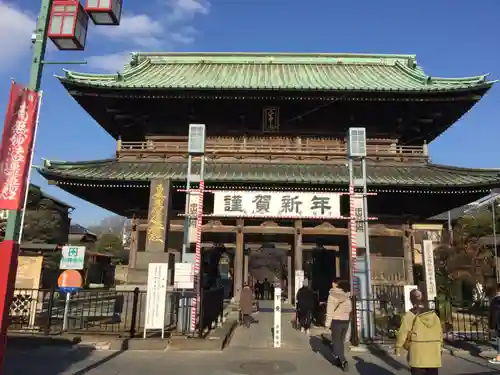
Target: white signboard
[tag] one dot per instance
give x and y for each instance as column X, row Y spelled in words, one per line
column 277, row 318
column 276, row 204
column 299, row 280
column 72, row 258
column 194, row 200
column 407, row 291
column 184, row 276
column 156, row 297
column 360, row 223
column 429, row 269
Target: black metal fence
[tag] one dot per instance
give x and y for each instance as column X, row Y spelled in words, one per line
column 109, row 312
column 461, row 320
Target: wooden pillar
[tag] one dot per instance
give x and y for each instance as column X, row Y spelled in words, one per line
column 238, row 261
column 132, row 261
column 297, row 254
column 408, row 241
column 245, row 267
column 290, row 276
column 297, row 245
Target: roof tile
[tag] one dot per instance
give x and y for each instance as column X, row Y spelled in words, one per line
column 245, row 71
column 428, row 175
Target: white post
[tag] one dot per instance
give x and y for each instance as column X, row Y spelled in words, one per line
column 277, row 318
column 66, row 311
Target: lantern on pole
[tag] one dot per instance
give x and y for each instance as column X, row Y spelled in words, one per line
column 104, row 12
column 68, row 25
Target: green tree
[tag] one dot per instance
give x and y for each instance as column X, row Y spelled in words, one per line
column 466, row 259
column 44, row 223
column 108, row 242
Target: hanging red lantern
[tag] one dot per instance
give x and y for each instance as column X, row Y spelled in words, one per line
column 68, row 25
column 104, row 12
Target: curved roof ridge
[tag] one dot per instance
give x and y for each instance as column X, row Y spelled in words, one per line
column 419, row 74
column 411, row 57
column 75, row 164
column 463, row 169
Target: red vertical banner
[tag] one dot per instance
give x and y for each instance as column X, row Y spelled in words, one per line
column 15, row 160
column 15, row 151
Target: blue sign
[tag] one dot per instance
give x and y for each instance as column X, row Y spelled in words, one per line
column 69, row 290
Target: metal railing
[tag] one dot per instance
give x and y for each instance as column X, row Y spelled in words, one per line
column 461, row 320
column 108, row 312
column 255, row 146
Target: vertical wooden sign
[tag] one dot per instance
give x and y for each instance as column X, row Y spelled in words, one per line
column 158, row 216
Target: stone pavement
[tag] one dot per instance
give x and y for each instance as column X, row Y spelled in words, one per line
column 260, row 333
column 60, row 361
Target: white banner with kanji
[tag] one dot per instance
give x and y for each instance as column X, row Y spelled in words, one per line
column 194, row 200
column 277, row 204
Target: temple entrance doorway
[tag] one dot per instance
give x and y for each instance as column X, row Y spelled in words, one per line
column 267, row 264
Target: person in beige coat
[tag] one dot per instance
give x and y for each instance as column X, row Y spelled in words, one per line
column 338, row 316
column 246, row 305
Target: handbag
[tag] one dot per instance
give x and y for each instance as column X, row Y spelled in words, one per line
column 407, row 343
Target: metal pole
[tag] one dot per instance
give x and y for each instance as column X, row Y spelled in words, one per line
column 184, row 308
column 494, row 227
column 15, row 217
column 366, row 230
column 66, row 312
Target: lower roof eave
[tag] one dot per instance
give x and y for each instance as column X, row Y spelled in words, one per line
column 421, row 177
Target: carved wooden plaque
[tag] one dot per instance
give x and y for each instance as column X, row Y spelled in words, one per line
column 158, row 218
column 270, row 120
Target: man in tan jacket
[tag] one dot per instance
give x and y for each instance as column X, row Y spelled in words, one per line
column 338, row 315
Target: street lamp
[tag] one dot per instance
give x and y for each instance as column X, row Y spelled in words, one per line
column 65, row 23
column 104, row 12
column 68, row 25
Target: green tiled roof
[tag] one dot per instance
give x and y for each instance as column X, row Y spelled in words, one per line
column 274, row 71
column 412, row 176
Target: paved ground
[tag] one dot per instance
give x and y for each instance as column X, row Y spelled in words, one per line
column 260, row 333
column 57, row 361
column 249, row 353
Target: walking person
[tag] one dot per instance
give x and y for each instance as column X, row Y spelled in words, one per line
column 246, row 305
column 266, row 286
column 306, row 300
column 421, row 335
column 495, row 323
column 257, row 289
column 338, row 315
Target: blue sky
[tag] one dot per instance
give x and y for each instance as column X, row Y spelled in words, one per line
column 450, row 38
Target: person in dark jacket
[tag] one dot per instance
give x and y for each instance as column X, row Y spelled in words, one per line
column 495, row 323
column 306, row 300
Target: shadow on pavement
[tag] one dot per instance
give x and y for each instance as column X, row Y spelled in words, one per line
column 368, row 368
column 321, row 346
column 29, row 355
column 386, row 358
column 26, row 355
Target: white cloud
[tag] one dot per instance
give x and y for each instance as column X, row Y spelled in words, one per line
column 141, row 30
column 111, row 63
column 16, row 27
column 171, row 25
